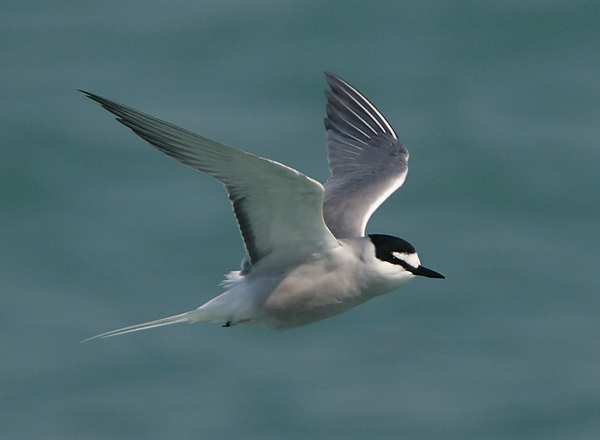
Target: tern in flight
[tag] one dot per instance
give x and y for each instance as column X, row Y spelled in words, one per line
column 307, row 255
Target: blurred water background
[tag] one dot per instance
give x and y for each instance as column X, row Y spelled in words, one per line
column 498, row 103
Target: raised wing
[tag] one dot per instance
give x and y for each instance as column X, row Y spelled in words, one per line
column 278, row 209
column 367, row 161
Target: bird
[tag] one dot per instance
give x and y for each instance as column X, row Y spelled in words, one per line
column 307, row 254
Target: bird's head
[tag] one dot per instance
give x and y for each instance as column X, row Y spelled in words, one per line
column 400, row 252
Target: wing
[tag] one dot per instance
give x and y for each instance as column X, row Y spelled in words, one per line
column 278, row 209
column 367, row 161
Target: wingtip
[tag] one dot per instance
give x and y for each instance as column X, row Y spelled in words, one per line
column 88, row 94
column 93, row 97
column 335, row 83
column 333, row 79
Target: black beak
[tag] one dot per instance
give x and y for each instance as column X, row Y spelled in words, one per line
column 424, row 272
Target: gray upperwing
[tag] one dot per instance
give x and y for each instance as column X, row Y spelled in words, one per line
column 278, row 209
column 367, row 161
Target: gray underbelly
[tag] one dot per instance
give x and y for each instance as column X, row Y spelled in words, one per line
column 285, row 310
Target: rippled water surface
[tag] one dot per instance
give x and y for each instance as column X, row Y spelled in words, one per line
column 498, row 103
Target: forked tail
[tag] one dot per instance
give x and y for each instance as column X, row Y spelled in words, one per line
column 175, row 319
column 232, row 306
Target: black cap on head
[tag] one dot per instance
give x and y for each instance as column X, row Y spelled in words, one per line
column 386, row 245
column 386, row 248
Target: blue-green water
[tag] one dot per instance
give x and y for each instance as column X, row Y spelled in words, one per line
column 498, row 103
